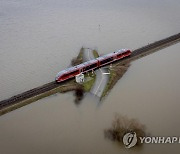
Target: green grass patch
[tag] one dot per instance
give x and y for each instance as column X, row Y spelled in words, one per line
column 111, row 77
column 87, row 85
column 80, row 55
column 95, row 53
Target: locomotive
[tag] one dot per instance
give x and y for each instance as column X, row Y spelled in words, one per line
column 92, row 64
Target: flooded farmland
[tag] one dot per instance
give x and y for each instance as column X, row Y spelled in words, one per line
column 39, row 39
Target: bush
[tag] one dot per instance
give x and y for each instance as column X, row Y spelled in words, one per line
column 122, row 125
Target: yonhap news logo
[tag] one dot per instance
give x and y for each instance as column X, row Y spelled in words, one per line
column 131, row 139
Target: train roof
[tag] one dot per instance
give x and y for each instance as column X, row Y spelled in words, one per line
column 76, row 67
column 86, row 63
column 105, row 56
column 111, row 54
column 90, row 62
column 121, row 50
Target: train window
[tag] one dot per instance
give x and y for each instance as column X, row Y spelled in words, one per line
column 119, row 55
column 64, row 76
column 106, row 60
column 127, row 52
column 90, row 67
column 71, row 73
column 74, row 72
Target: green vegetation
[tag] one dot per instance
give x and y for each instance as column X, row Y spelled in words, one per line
column 80, row 55
column 79, row 59
column 112, row 75
column 87, row 85
column 122, row 125
column 116, row 72
column 95, row 53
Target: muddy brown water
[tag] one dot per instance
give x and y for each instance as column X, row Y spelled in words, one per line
column 33, row 48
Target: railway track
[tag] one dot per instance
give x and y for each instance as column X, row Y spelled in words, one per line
column 28, row 94
column 138, row 53
column 143, row 51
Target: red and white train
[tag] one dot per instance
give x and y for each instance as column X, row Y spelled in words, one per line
column 92, row 64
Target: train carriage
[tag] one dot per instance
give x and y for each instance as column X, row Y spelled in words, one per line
column 106, row 59
column 92, row 64
column 75, row 70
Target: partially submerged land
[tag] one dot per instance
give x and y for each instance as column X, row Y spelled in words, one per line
column 51, row 88
column 86, row 86
column 116, row 72
column 120, row 67
column 122, row 125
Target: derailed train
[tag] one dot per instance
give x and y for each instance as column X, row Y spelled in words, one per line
column 92, row 64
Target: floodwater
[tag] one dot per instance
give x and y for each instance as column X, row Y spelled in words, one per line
column 39, row 39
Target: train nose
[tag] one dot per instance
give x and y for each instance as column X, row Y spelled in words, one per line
column 56, row 78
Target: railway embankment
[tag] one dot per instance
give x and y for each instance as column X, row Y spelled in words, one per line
column 117, row 71
column 48, row 89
